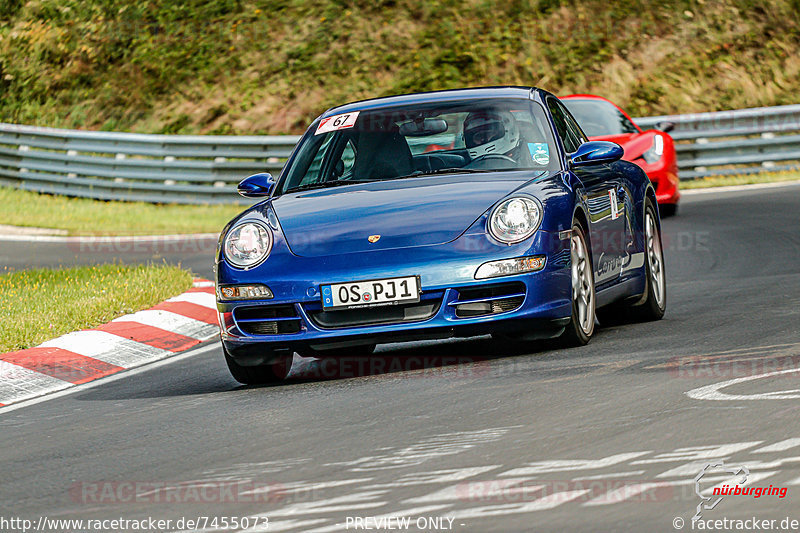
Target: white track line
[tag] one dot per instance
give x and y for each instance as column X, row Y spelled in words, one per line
column 105, row 239
column 172, row 322
column 18, row 383
column 200, row 298
column 106, row 347
column 739, row 188
column 102, row 381
column 779, row 446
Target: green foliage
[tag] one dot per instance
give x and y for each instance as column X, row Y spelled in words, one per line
column 270, row 66
column 82, row 216
column 41, row 304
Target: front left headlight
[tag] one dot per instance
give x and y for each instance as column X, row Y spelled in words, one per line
column 247, row 245
column 515, row 219
column 656, row 150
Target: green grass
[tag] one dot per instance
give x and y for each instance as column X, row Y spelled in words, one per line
column 79, row 216
column 38, row 305
column 742, row 179
column 269, row 66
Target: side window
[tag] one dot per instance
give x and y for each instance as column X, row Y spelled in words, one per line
column 313, row 173
column 626, row 123
column 568, row 136
column 344, row 166
column 574, row 127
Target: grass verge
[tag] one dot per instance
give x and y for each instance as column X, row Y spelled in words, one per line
column 39, row 305
column 271, row 66
column 81, row 216
column 740, row 179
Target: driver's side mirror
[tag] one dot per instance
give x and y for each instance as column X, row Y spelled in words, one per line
column 594, row 152
column 256, row 186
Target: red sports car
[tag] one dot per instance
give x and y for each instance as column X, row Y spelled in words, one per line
column 653, row 150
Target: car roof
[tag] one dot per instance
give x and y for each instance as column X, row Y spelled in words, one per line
column 600, row 99
column 528, row 93
column 584, row 97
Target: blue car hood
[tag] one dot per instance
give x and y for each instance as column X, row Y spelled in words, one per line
column 405, row 213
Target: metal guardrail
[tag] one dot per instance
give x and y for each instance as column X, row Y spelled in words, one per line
column 199, row 169
column 191, row 169
column 744, row 141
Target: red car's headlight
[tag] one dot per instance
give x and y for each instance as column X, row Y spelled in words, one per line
column 656, row 150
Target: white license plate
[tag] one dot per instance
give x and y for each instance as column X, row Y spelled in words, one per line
column 368, row 293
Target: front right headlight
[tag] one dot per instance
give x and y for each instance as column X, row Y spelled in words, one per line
column 515, row 219
column 656, row 149
column 247, row 245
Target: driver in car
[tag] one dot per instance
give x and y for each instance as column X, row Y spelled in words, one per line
column 488, row 133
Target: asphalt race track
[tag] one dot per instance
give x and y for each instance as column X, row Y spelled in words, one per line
column 608, row 437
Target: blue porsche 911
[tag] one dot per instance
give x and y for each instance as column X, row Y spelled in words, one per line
column 450, row 213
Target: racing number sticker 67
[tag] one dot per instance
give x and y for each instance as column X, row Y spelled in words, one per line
column 337, row 122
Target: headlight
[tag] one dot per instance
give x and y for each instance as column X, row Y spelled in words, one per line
column 247, row 245
column 655, row 152
column 515, row 220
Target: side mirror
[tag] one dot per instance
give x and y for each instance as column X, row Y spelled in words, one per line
column 666, row 127
column 256, row 186
column 594, row 152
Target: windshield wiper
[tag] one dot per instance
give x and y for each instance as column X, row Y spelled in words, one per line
column 449, row 170
column 325, row 185
column 418, row 173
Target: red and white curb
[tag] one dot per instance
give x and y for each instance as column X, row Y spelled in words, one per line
column 129, row 341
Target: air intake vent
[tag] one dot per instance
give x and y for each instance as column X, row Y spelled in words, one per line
column 489, row 299
column 267, row 320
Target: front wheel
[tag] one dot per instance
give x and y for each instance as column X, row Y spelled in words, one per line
column 274, row 372
column 668, row 210
column 581, row 326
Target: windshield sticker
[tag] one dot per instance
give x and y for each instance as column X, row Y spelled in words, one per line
column 337, row 122
column 540, row 153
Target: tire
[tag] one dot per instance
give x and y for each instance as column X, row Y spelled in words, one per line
column 668, row 210
column 274, row 372
column 581, row 325
column 655, row 303
column 614, row 314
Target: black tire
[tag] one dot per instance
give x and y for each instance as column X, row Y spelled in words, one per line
column 274, row 372
column 668, row 210
column 614, row 314
column 655, row 302
column 576, row 334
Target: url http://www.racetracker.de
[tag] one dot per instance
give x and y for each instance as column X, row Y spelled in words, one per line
column 77, row 525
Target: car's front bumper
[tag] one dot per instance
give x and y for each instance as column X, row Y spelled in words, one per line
column 537, row 303
column 665, row 178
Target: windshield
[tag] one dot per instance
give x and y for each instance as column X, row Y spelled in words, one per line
column 598, row 117
column 424, row 139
